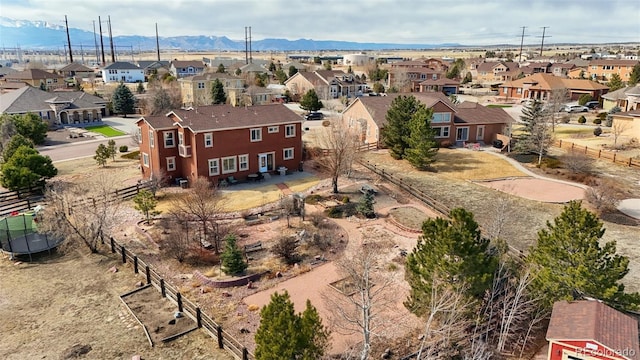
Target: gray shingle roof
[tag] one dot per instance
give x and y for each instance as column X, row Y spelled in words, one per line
column 32, row 74
column 121, row 65
column 31, row 99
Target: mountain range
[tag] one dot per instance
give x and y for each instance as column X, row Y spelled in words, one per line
column 42, row 35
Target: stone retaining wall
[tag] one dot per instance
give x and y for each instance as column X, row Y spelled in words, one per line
column 228, row 283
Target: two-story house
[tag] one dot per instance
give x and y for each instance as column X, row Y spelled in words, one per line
column 407, row 75
column 76, row 70
column 540, row 86
column 154, row 67
column 496, row 72
column 218, row 141
column 37, row 78
column 196, row 90
column 453, row 124
column 122, row 71
column 184, row 68
column 603, row 69
column 328, row 84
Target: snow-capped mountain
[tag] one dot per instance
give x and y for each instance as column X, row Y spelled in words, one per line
column 51, row 35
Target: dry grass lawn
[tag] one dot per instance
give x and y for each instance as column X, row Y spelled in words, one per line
column 122, row 171
column 473, row 165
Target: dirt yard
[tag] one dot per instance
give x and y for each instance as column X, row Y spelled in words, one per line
column 59, row 307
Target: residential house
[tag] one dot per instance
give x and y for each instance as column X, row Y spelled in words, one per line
column 443, row 85
column 37, row 78
column 6, row 87
column 495, row 72
column 561, row 69
column 196, row 90
column 218, row 141
column 604, row 69
column 122, row 71
column 76, row 70
column 328, row 84
column 184, row 68
column 59, row 108
column 453, row 124
column 540, row 86
column 628, row 123
column 589, row 329
column 535, row 67
column 249, row 71
column 407, row 75
column 256, row 95
column 4, row 70
column 627, row 98
column 154, row 67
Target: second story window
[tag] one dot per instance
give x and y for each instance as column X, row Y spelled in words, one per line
column 168, row 139
column 290, row 131
column 180, row 138
column 208, row 140
column 256, row 135
column 151, row 139
column 441, row 118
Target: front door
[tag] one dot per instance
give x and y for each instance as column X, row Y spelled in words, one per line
column 480, row 134
column 462, row 134
column 265, row 162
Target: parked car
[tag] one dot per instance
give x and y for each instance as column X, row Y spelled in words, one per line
column 574, row 108
column 314, row 116
column 592, row 104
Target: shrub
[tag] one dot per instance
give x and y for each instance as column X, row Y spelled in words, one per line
column 550, row 163
column 445, row 144
column 313, row 199
column 317, row 220
column 582, row 119
column 602, row 116
column 597, row 131
column 124, row 148
column 584, row 98
column 608, row 121
column 286, row 248
column 334, row 212
column 345, row 199
column 565, row 119
column 578, row 163
column 597, row 122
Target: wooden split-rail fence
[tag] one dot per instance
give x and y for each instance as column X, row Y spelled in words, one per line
column 598, row 154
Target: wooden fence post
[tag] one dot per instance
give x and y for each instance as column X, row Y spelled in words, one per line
column 124, row 255
column 113, row 246
column 135, row 264
column 614, row 157
column 599, row 153
column 148, row 272
column 179, row 300
column 245, row 354
column 585, row 150
column 560, row 144
column 630, row 162
column 199, row 317
column 220, row 342
column 162, row 288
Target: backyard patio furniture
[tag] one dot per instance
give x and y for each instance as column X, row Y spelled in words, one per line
column 231, row 180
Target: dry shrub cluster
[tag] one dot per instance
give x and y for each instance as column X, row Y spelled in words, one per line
column 604, row 195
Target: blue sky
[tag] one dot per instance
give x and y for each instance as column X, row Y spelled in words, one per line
column 468, row 22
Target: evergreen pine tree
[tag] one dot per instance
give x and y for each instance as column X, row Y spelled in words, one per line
column 365, row 207
column 123, row 100
column 634, row 77
column 615, row 83
column 292, row 70
column 145, row 202
column 26, row 168
column 285, row 335
column 111, row 147
column 217, row 92
column 423, row 147
column 454, row 250
column 396, row 133
column 310, row 101
column 571, row 259
column 102, row 154
column 536, row 135
column 232, row 261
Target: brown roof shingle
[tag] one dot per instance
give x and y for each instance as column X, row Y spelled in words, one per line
column 474, row 113
column 32, row 74
column 594, row 320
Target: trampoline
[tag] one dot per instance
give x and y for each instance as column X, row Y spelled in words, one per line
column 19, row 235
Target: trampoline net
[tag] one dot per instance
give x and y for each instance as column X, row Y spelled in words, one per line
column 14, row 227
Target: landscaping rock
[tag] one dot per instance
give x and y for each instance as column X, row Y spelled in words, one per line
column 113, row 269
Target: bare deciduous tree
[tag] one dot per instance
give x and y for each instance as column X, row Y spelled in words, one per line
column 556, row 100
column 618, row 127
column 201, row 202
column 177, row 241
column 367, row 293
column 342, row 145
column 81, row 213
column 500, row 214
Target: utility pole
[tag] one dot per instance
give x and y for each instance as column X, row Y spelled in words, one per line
column 82, row 53
column 250, row 52
column 521, row 42
column 157, row 42
column 101, row 41
column 95, row 43
column 246, row 47
column 542, row 44
column 113, row 53
column 68, row 39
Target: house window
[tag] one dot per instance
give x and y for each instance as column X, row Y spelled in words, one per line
column 229, row 165
column 151, row 139
column 519, row 91
column 441, row 118
column 287, row 153
column 273, row 129
column 145, row 159
column 434, row 77
column 290, row 131
column 200, row 85
column 243, row 162
column 256, row 135
column 171, row 163
column 462, row 134
column 168, row 139
column 441, row 131
column 480, row 134
column 180, row 138
column 214, row 167
column 208, row 140
column 139, row 135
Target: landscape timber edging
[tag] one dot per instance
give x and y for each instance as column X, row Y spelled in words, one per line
column 228, row 283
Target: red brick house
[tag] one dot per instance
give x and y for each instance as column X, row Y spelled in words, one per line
column 586, row 329
column 539, row 86
column 454, row 124
column 219, row 141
